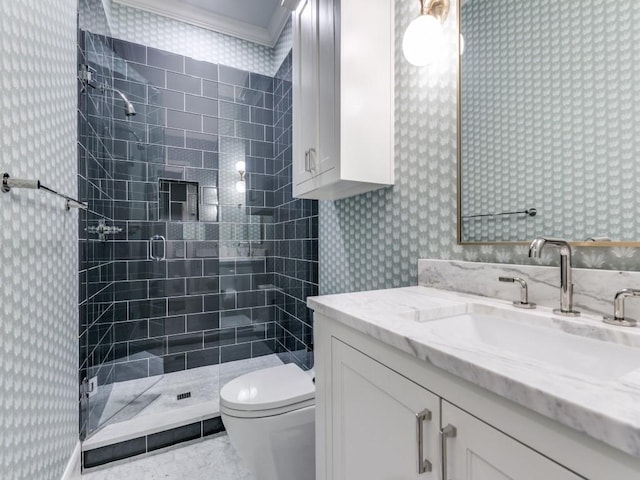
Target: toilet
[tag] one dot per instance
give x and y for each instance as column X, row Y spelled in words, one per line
column 269, row 415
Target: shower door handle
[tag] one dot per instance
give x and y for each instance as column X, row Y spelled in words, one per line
column 152, row 241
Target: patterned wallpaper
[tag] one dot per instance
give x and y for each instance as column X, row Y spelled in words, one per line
column 374, row 240
column 549, row 121
column 38, row 240
column 174, row 36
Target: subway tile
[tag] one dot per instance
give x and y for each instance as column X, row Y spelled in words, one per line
column 184, row 83
column 202, row 69
column 166, row 288
column 233, row 111
column 167, row 438
column 166, row 98
column 145, row 269
column 212, row 426
column 184, row 268
column 210, row 125
column 202, row 285
column 251, row 333
column 199, row 104
column 165, row 60
column 174, row 362
column 250, row 131
column 209, row 89
column 220, row 337
column 130, row 51
column 185, row 342
column 251, row 299
column 203, row 358
column 147, row 308
column 235, row 318
column 249, row 97
column 201, row 141
column 232, row 353
column 203, row 321
column 184, row 305
column 131, row 290
column 204, row 249
column 134, row 330
column 167, row 326
column 212, row 302
column 110, row 453
column 145, row 230
column 261, row 82
column 152, row 347
column 185, row 157
column 261, row 115
column 184, row 120
column 263, row 347
column 145, row 74
column 233, row 76
column 226, row 92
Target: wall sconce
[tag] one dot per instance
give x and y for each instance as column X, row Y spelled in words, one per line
column 423, row 41
column 241, row 186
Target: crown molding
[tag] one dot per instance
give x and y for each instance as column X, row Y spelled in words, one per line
column 201, row 18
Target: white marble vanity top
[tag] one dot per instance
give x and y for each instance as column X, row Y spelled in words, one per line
column 603, row 408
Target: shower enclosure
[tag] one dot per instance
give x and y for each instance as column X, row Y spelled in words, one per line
column 195, row 261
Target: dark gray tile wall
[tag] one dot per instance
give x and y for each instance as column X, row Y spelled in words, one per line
column 209, row 301
column 234, row 283
column 295, row 260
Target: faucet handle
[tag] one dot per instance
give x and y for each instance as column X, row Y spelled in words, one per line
column 524, row 292
column 618, row 317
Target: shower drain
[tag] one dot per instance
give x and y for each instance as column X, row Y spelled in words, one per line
column 182, row 396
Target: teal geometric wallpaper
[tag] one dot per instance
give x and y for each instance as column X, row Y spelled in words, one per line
column 374, row 240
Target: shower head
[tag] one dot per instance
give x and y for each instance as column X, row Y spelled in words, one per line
column 129, row 110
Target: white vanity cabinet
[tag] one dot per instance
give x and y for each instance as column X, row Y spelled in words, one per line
column 381, row 415
column 343, row 104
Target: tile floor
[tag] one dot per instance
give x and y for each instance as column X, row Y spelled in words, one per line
column 214, row 458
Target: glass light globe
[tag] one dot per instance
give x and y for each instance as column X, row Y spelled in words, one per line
column 241, row 187
column 240, row 166
column 423, row 40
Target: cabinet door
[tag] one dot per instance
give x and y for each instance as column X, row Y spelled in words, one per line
column 376, row 420
column 305, row 89
column 480, row 452
column 327, row 156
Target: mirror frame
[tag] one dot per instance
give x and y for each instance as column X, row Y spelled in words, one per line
column 459, row 168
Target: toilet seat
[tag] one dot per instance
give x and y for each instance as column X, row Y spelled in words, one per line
column 267, row 392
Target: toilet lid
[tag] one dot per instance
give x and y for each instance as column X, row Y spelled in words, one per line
column 268, row 388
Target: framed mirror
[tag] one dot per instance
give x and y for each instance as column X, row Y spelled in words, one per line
column 549, row 121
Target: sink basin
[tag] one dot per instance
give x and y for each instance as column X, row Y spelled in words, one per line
column 534, row 338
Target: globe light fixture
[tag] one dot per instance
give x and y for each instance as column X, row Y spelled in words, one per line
column 423, row 41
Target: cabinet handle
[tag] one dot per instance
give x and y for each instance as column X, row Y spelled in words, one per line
column 421, row 417
column 448, row 431
column 312, row 163
column 306, row 161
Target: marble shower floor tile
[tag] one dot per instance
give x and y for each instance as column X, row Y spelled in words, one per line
column 211, row 459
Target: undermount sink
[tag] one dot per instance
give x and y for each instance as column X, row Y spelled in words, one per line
column 525, row 337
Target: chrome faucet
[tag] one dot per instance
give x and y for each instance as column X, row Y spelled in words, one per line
column 566, row 283
column 618, row 317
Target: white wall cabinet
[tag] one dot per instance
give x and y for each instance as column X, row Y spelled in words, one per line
column 343, row 104
column 381, row 415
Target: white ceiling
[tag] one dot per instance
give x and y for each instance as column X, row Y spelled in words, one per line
column 258, row 21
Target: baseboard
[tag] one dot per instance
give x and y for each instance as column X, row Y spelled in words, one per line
column 72, row 472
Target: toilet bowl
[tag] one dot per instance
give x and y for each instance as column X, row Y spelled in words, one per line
column 270, row 419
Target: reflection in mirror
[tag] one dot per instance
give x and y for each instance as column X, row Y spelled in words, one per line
column 549, row 102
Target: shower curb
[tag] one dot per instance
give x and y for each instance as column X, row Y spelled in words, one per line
column 144, row 444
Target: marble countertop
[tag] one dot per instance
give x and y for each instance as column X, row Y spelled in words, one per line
column 607, row 409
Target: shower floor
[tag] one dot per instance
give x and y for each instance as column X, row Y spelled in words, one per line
column 158, row 409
